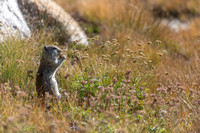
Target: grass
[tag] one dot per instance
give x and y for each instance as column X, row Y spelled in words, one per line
column 135, row 76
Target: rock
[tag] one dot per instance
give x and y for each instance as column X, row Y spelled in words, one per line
column 175, row 24
column 12, row 22
column 69, row 25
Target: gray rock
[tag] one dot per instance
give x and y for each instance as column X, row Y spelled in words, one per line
column 12, row 22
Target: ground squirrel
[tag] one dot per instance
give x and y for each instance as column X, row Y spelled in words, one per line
column 49, row 64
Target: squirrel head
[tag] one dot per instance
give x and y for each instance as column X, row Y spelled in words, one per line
column 51, row 54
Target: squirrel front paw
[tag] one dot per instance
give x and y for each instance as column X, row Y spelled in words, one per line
column 63, row 56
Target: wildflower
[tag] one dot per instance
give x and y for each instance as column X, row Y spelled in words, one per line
column 158, row 42
column 19, row 61
column 114, row 80
column 149, row 42
column 169, row 88
column 135, row 101
column 181, row 89
column 159, row 84
column 53, row 127
column 101, row 88
column 66, row 94
column 29, row 73
column 191, row 92
column 127, row 88
column 67, row 75
column 96, row 38
column 162, row 90
column 85, row 99
column 163, row 112
column 84, row 57
column 154, row 101
column 177, row 100
column 5, row 125
column 28, row 106
column 134, row 60
column 160, row 54
column 92, row 80
column 110, row 85
column 167, row 102
column 127, row 38
column 114, row 40
column 10, row 119
column 124, row 97
column 74, row 126
column 83, row 82
column 17, row 88
column 128, row 50
column 102, row 47
column 109, row 88
column 21, row 94
column 23, row 111
column 150, row 61
column 127, row 81
column 133, row 97
column 128, row 72
column 117, row 97
column 141, row 54
column 87, row 55
column 198, row 101
column 116, row 52
column 48, row 96
column 55, row 43
column 131, row 91
column 145, row 95
column 106, row 59
column 107, row 98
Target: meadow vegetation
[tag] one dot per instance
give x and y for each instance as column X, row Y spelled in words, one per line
column 135, row 76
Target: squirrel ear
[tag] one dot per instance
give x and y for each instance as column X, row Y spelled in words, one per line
column 45, row 47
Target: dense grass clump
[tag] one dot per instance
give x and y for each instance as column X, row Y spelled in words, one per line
column 135, row 76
